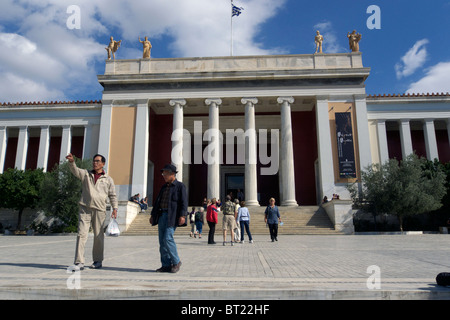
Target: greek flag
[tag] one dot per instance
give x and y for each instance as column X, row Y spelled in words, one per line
column 236, row 11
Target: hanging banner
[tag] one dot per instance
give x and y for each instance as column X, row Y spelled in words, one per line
column 346, row 152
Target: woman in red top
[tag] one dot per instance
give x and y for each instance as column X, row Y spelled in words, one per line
column 211, row 218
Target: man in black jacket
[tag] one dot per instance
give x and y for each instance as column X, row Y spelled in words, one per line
column 169, row 211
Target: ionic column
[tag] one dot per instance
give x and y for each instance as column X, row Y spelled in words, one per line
column 3, row 145
column 177, row 135
column 44, row 146
column 405, row 137
column 430, row 139
column 382, row 141
column 213, row 150
column 22, row 148
column 140, row 159
column 287, row 153
column 251, row 182
column 66, row 142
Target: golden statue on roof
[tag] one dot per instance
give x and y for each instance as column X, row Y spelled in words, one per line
column 318, row 40
column 112, row 48
column 353, row 39
column 147, row 46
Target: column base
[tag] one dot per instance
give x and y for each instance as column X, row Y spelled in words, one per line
column 251, row 203
column 289, row 203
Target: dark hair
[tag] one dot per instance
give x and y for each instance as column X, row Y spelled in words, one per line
column 99, row 155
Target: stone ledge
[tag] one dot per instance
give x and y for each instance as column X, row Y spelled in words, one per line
column 227, row 64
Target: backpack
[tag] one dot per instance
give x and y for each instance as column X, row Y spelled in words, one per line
column 443, row 279
column 198, row 216
column 229, row 208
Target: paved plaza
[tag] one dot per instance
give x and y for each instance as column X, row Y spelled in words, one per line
column 294, row 268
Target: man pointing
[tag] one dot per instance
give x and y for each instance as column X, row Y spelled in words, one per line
column 97, row 187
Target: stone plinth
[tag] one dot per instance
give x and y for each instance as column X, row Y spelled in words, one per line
column 340, row 214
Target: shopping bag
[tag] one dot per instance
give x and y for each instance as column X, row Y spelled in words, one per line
column 237, row 234
column 113, row 228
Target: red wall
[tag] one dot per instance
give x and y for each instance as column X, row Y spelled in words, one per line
column 305, row 154
column 160, row 146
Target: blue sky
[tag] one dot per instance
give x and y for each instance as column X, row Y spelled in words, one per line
column 41, row 59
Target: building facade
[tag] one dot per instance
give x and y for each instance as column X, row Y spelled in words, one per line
column 293, row 127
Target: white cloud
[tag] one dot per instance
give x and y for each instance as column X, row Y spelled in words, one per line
column 330, row 41
column 436, row 80
column 41, row 53
column 412, row 60
column 22, row 89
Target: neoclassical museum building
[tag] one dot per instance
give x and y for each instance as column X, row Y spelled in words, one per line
column 293, row 127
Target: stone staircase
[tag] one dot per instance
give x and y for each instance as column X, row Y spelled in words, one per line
column 308, row 220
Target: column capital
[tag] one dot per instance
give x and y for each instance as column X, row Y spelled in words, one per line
column 107, row 103
column 140, row 102
column 322, row 98
column 404, row 121
column 175, row 102
column 246, row 100
column 289, row 100
column 210, row 101
column 360, row 97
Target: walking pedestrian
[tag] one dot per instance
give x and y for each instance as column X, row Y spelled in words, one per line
column 211, row 218
column 271, row 217
column 169, row 211
column 244, row 221
column 199, row 221
column 97, row 186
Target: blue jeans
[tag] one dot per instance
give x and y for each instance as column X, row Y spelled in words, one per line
column 246, row 225
column 167, row 245
column 199, row 226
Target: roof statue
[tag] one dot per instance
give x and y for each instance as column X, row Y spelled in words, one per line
column 147, row 46
column 112, row 48
column 319, row 40
column 353, row 39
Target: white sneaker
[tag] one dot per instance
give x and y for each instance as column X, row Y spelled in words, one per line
column 251, row 241
column 242, row 241
column 76, row 267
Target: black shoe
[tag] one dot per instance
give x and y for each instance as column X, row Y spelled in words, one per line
column 176, row 268
column 96, row 265
column 164, row 269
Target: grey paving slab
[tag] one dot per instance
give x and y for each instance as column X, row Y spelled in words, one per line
column 295, row 267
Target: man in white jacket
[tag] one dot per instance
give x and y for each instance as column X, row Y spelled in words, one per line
column 97, row 187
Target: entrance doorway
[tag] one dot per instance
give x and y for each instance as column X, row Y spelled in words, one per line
column 232, row 180
column 235, row 185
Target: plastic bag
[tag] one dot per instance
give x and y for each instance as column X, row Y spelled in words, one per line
column 237, row 234
column 113, row 228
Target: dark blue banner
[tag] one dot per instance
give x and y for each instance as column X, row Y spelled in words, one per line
column 346, row 152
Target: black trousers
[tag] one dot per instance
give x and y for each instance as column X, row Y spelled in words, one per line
column 212, row 229
column 273, row 229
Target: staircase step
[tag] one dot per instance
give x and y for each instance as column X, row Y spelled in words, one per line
column 296, row 220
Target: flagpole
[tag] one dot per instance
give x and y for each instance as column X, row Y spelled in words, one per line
column 231, row 49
